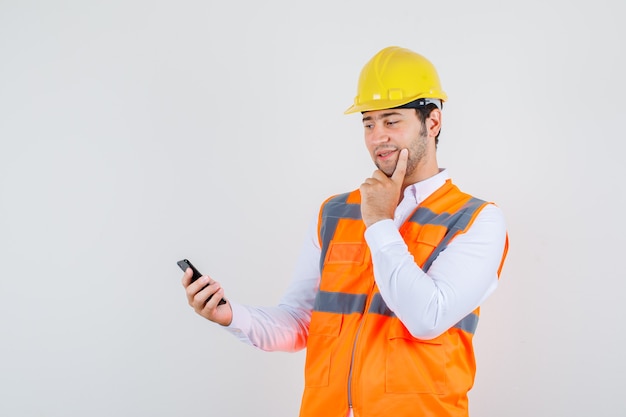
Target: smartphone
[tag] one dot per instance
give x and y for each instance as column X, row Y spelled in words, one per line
column 184, row 264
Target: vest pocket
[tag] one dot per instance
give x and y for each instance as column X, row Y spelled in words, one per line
column 427, row 240
column 414, row 365
column 323, row 335
column 346, row 253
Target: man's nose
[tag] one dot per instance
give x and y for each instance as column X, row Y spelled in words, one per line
column 379, row 134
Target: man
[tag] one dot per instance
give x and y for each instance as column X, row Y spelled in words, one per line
column 386, row 293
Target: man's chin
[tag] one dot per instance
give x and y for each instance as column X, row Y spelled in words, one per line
column 387, row 171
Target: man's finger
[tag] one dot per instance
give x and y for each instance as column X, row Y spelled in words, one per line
column 187, row 277
column 400, row 171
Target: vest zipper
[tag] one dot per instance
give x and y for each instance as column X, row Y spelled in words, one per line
column 356, row 338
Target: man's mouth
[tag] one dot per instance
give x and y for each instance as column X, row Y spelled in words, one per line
column 386, row 153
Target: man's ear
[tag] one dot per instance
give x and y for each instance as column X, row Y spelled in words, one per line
column 433, row 123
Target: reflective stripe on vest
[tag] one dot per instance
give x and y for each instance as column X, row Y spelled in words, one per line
column 342, row 303
column 334, row 210
column 455, row 223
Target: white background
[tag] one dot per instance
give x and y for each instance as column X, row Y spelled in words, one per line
column 137, row 133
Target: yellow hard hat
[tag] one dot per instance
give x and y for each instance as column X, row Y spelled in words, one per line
column 393, row 77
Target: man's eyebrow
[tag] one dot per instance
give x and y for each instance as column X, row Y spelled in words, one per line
column 382, row 115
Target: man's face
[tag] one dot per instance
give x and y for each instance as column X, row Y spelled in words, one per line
column 387, row 132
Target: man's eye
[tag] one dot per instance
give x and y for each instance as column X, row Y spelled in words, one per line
column 369, row 126
column 391, row 122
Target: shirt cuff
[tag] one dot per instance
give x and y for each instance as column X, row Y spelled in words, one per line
column 241, row 322
column 381, row 234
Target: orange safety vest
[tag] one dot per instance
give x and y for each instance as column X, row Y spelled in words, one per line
column 359, row 353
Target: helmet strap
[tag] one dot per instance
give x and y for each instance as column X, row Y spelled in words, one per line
column 421, row 102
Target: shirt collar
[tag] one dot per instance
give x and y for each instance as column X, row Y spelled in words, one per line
column 419, row 191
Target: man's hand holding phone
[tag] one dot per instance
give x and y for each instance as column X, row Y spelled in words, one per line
column 205, row 295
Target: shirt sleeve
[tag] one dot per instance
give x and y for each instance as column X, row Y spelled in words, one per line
column 284, row 327
column 464, row 274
